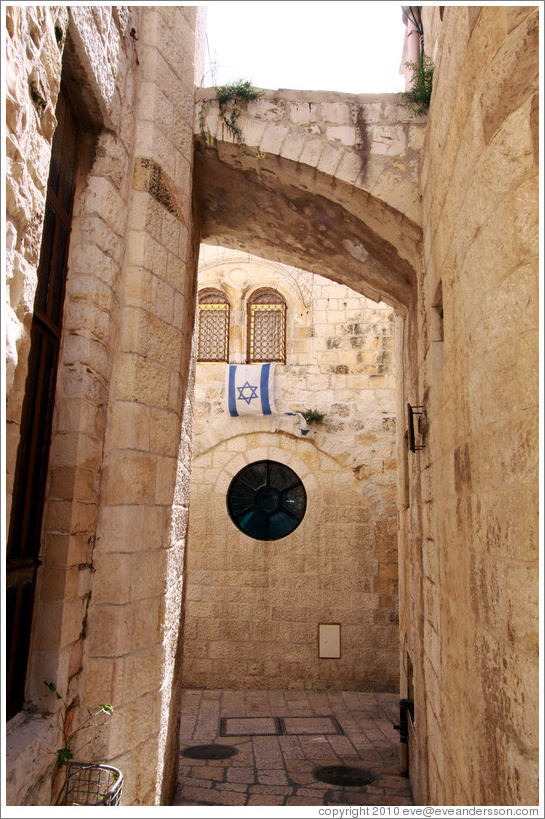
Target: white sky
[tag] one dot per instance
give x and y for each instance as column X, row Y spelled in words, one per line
column 321, row 45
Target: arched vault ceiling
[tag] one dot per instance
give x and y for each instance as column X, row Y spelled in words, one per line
column 275, row 209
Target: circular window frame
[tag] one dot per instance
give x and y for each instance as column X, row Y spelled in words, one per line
column 263, row 507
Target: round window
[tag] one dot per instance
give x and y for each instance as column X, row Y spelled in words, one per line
column 266, row 500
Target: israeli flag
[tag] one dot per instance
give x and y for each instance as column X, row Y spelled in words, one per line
column 249, row 389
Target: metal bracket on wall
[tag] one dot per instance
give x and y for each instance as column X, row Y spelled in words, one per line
column 419, row 410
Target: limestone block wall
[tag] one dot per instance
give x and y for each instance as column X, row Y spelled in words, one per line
column 253, row 608
column 473, row 553
column 339, row 360
column 108, row 598
column 132, row 642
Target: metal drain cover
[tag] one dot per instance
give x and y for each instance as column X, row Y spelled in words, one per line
column 209, row 751
column 343, row 776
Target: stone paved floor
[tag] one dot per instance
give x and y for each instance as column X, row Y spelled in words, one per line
column 275, row 759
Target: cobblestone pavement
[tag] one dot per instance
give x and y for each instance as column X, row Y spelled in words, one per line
column 280, row 738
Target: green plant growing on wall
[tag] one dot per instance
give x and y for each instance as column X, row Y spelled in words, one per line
column 230, row 99
column 64, row 754
column 313, row 416
column 418, row 97
column 206, row 136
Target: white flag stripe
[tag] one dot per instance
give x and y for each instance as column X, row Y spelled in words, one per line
column 249, row 389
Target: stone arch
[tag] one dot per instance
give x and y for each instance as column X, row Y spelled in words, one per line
column 273, row 445
column 208, row 441
column 327, row 182
column 219, row 259
column 208, row 292
column 283, row 289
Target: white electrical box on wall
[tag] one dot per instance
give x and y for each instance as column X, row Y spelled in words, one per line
column 329, row 640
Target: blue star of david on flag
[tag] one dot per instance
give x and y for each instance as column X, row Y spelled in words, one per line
column 249, row 389
column 242, row 396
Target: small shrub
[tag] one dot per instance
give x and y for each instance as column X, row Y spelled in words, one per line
column 418, row 97
column 313, row 416
column 64, row 754
column 230, row 98
column 242, row 90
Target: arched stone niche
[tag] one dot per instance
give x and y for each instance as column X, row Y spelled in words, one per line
column 253, row 607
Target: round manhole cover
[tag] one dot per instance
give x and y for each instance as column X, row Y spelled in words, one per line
column 209, row 751
column 343, row 775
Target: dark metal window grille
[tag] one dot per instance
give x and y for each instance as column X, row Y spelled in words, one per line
column 266, row 500
column 266, row 327
column 213, row 327
column 32, row 457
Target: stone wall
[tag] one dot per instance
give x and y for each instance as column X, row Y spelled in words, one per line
column 133, row 620
column 107, row 601
column 252, row 607
column 472, row 626
column 42, row 41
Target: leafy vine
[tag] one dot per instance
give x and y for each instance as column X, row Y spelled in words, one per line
column 64, row 754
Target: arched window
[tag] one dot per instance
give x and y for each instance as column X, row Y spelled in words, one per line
column 266, row 326
column 213, row 326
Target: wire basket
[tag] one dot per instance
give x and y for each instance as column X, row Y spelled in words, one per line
column 92, row 784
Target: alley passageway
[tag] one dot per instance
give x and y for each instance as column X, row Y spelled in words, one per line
column 279, row 739
column 129, row 555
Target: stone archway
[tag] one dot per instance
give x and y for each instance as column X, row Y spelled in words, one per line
column 328, row 182
column 253, row 608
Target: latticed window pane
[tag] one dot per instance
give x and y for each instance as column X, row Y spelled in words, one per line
column 266, row 326
column 213, row 329
column 267, row 332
